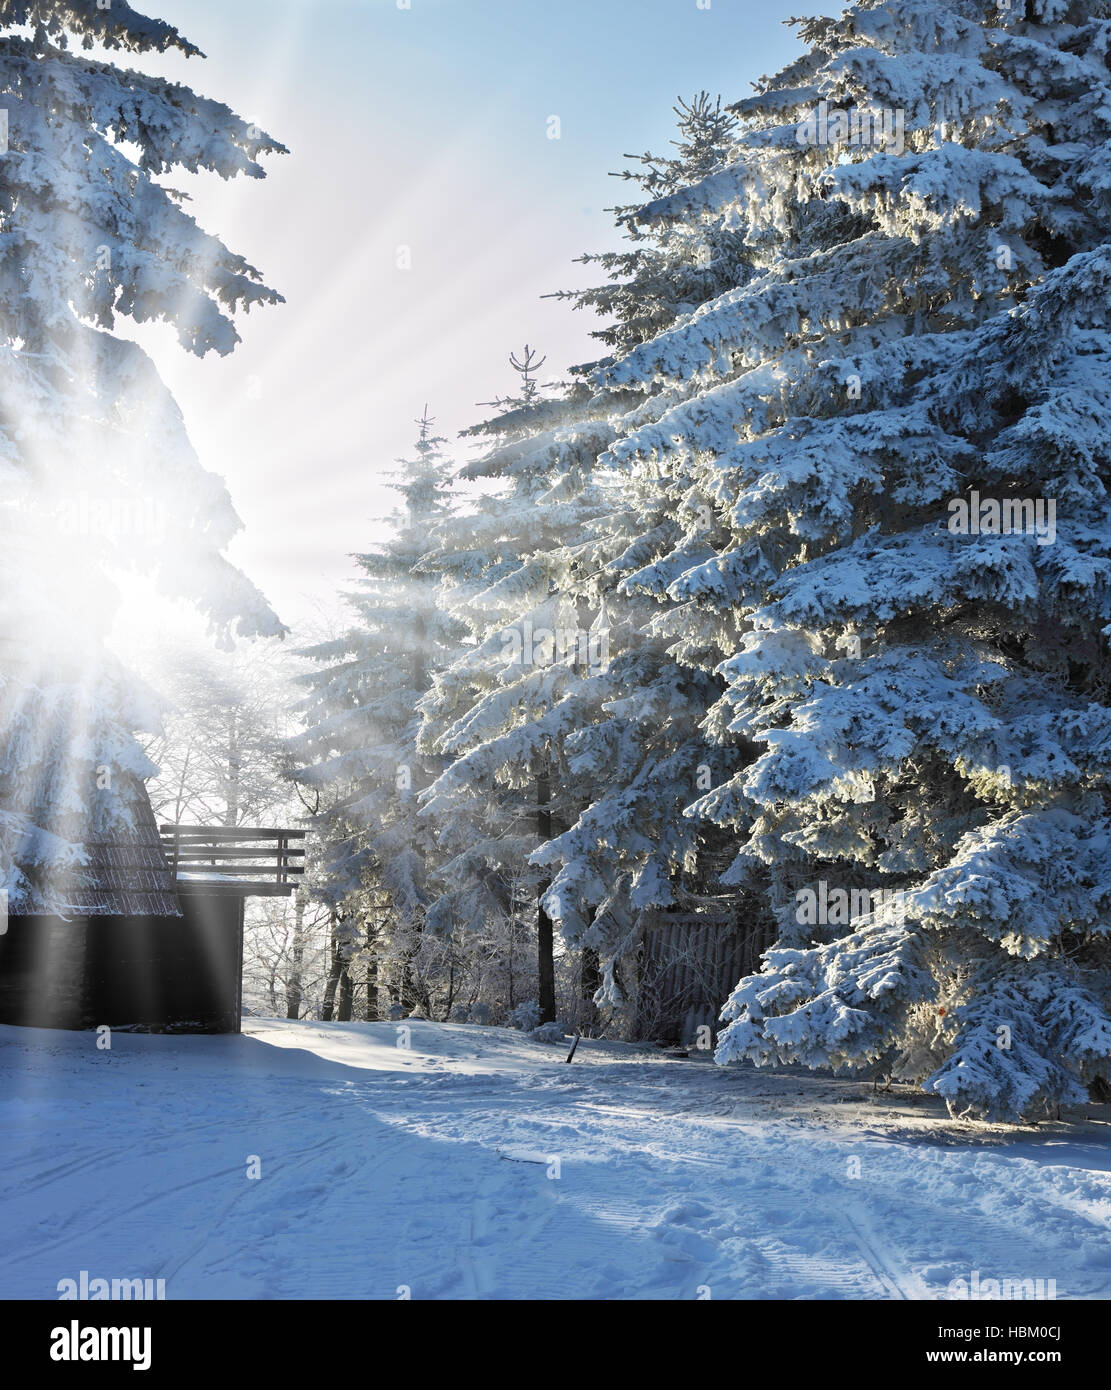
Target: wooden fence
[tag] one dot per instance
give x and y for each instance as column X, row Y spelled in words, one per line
column 234, row 861
column 689, row 965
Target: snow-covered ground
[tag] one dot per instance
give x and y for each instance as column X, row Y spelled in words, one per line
column 476, row 1164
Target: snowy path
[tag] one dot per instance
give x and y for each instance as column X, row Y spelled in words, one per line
column 434, row 1168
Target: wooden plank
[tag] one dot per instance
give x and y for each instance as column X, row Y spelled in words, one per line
column 220, row 832
column 214, row 870
column 222, row 852
column 209, row 888
column 246, row 870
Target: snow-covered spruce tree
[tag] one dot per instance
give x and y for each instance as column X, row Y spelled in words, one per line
column 671, row 266
column 358, row 754
column 495, row 799
column 637, row 754
column 599, row 704
column 899, row 420
column 97, row 471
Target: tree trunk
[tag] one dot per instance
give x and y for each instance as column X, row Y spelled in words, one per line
column 512, row 947
column 413, row 992
column 293, row 986
column 544, row 935
column 372, row 989
column 346, row 996
column 335, row 969
column 450, row 992
column 407, row 993
column 235, row 771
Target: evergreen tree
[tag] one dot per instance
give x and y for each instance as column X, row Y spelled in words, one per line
column 495, row 800
column 359, row 751
column 923, row 668
column 597, row 710
column 671, row 267
column 98, row 472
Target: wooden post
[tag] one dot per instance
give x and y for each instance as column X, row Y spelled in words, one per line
column 241, row 915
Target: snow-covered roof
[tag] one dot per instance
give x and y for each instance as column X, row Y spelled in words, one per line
column 126, row 876
column 129, row 877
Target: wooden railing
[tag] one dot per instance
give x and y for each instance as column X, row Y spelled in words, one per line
column 234, row 861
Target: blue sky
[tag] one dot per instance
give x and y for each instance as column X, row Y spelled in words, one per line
column 425, row 128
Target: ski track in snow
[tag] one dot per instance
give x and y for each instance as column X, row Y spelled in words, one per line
column 475, row 1164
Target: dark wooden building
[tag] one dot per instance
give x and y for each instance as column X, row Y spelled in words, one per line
column 153, row 932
